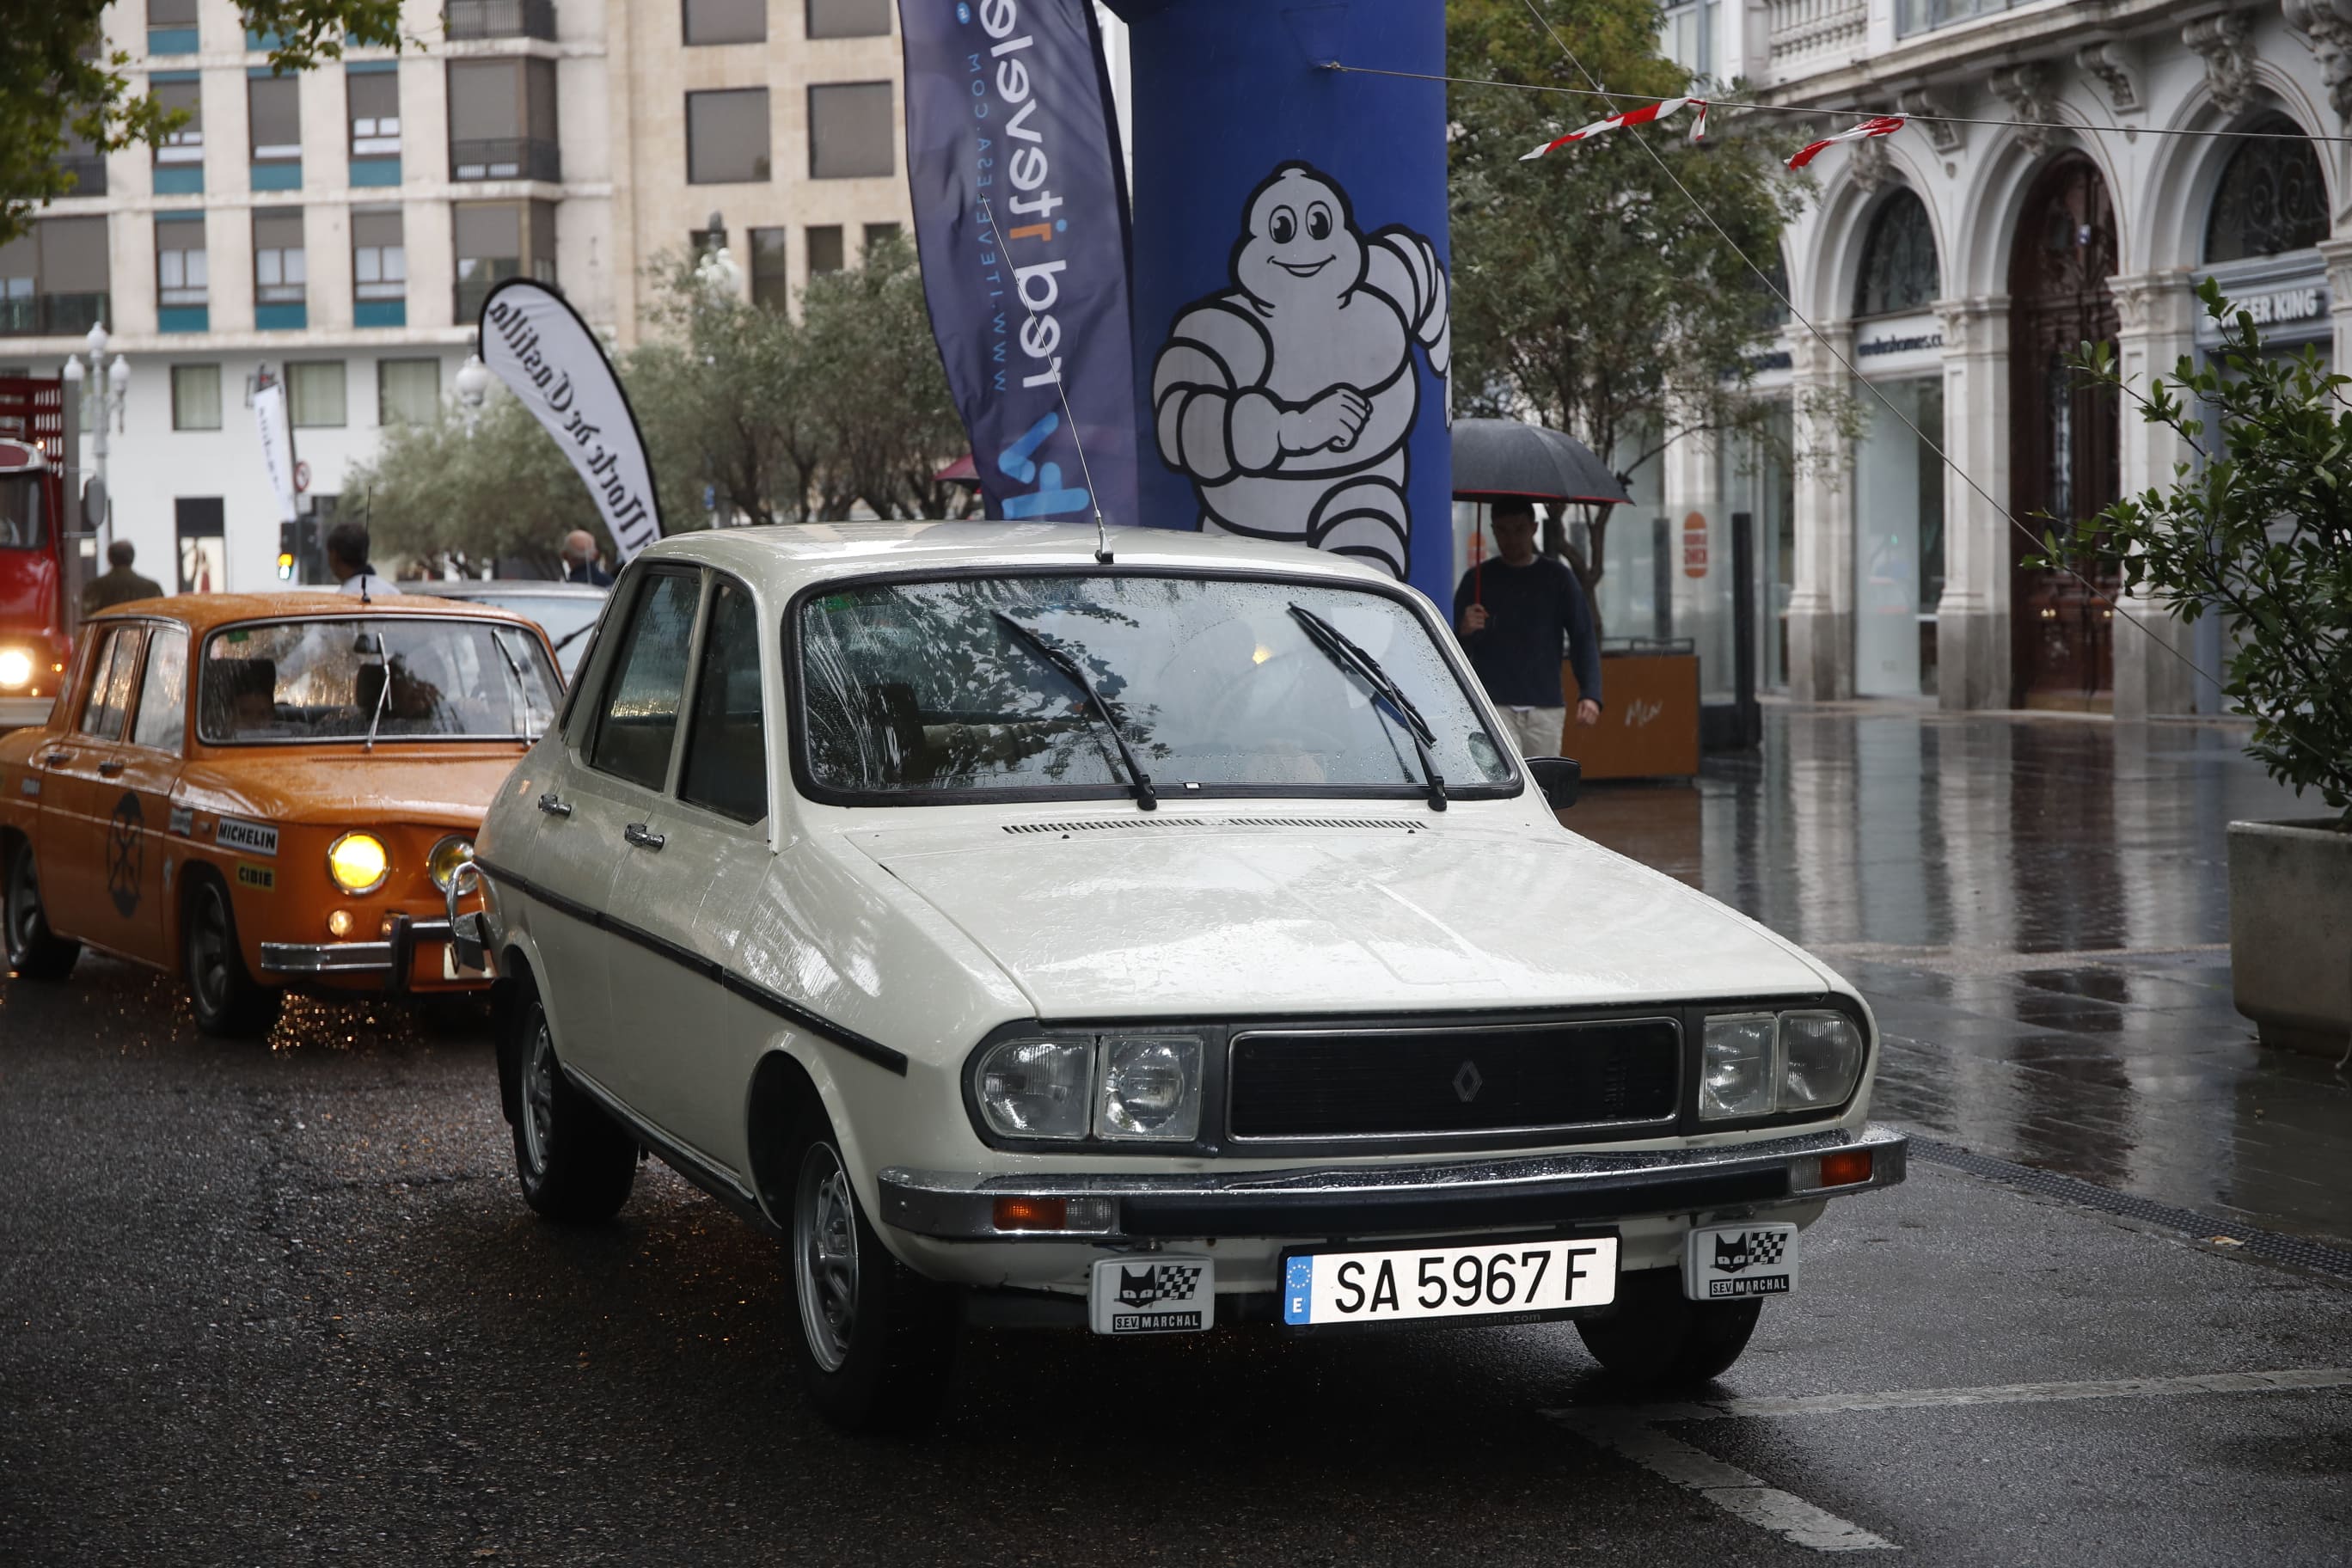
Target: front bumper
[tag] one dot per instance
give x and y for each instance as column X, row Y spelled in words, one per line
column 1395, row 1199
column 24, row 713
column 391, row 959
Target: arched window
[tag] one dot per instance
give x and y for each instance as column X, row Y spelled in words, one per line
column 2271, row 197
column 1898, row 260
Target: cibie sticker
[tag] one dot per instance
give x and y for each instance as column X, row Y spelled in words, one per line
column 253, row 838
column 1152, row 1293
column 1732, row 1262
column 262, row 877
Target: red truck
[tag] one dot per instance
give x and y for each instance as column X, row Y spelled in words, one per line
column 36, row 632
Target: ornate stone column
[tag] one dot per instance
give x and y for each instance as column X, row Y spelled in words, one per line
column 2157, row 323
column 1972, row 617
column 2337, row 254
column 1821, row 598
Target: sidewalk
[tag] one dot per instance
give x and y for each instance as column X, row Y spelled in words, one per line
column 2038, row 910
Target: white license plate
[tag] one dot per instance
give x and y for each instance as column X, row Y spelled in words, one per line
column 1732, row 1262
column 1153, row 1293
column 1409, row 1284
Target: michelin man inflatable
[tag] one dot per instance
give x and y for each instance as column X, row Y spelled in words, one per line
column 1289, row 398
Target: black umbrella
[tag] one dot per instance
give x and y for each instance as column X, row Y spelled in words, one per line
column 1512, row 458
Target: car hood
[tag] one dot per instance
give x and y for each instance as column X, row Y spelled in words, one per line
column 1218, row 920
column 455, row 786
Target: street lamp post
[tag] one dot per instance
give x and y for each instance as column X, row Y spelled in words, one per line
column 473, row 387
column 105, row 389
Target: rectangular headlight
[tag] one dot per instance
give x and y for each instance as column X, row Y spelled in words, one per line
column 1820, row 1057
column 1150, row 1088
column 1036, row 1089
column 1736, row 1065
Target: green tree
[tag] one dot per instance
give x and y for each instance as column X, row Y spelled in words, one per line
column 1587, row 292
column 471, row 492
column 886, row 421
column 57, row 79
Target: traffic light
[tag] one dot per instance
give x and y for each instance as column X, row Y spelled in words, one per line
column 290, row 540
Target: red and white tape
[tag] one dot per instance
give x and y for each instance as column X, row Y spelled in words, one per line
column 1876, row 125
column 1641, row 116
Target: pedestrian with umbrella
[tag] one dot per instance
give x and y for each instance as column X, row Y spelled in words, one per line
column 1517, row 612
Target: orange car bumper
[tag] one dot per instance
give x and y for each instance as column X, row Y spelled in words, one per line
column 414, row 956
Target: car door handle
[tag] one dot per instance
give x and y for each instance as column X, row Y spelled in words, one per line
column 109, row 769
column 56, row 759
column 552, row 803
column 638, row 834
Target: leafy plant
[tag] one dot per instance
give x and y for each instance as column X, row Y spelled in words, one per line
column 2258, row 529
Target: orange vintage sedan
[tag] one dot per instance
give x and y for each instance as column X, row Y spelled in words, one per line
column 266, row 791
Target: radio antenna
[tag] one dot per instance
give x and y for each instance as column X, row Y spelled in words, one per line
column 1094, row 496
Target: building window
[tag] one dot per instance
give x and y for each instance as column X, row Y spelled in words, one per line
column 1919, row 15
column 171, row 26
column 771, row 278
column 196, row 397
column 726, row 21
column 727, row 136
column 274, row 112
column 848, row 18
column 825, row 252
column 500, row 19
column 183, row 282
column 53, row 281
column 279, row 275
column 314, row 393
column 2271, row 197
column 407, row 391
column 180, row 156
column 373, row 104
column 499, row 240
column 879, row 234
column 851, row 128
column 1686, row 35
column 81, row 159
column 379, row 258
column 204, row 544
column 1899, row 271
column 502, row 124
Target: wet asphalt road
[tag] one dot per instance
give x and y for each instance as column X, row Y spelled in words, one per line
column 284, row 1305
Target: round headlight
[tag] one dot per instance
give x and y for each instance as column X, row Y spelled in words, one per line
column 447, row 856
column 16, row 666
column 359, row 862
column 1150, row 1088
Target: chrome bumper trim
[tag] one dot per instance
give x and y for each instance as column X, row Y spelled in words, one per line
column 24, row 713
column 345, row 957
column 1395, row 1198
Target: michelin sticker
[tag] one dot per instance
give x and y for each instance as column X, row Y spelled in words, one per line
column 252, row 837
column 1288, row 398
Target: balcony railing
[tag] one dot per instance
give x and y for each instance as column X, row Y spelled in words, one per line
column 51, row 315
column 1803, row 28
column 506, row 158
column 1925, row 16
column 500, row 19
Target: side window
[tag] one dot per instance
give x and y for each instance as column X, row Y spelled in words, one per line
column 638, row 719
column 163, row 716
column 111, row 672
column 725, row 748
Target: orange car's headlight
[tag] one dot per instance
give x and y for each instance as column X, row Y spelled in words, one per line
column 359, row 862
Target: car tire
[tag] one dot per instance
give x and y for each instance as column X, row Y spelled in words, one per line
column 575, row 1162
column 228, row 1002
column 1658, row 1337
column 35, row 952
column 874, row 1339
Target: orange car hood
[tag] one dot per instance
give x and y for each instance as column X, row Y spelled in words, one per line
column 444, row 786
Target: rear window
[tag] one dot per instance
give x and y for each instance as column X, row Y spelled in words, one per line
column 395, row 679
column 23, row 525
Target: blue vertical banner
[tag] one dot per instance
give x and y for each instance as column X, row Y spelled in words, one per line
column 1292, row 310
column 1020, row 199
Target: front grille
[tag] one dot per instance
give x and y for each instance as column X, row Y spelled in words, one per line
column 1313, row 1084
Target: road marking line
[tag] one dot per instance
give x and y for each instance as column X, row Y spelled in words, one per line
column 2003, row 1393
column 1727, row 1487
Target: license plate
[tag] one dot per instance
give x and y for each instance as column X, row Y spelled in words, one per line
column 1731, row 1262
column 1153, row 1293
column 453, row 970
column 1517, row 1279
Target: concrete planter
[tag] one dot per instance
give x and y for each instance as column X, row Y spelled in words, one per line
column 2291, row 932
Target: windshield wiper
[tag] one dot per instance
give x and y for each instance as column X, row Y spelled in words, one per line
column 1140, row 781
column 574, row 636
column 383, row 692
column 1387, row 697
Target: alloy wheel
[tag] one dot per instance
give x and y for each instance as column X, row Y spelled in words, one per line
column 538, row 1098
column 24, row 905
column 208, row 951
column 825, row 1256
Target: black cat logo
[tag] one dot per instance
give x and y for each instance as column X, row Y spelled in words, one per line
column 1731, row 1254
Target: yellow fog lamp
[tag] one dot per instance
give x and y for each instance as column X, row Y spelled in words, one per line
column 358, row 862
column 16, row 666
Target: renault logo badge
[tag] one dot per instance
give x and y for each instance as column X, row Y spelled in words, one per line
column 1467, row 1083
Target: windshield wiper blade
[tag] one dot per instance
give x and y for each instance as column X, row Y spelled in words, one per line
column 1140, row 782
column 383, row 692
column 1387, row 695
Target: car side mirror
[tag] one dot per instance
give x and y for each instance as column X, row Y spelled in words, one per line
column 1558, row 778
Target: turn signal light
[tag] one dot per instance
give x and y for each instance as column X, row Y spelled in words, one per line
column 339, row 924
column 1845, row 1169
column 1032, row 1214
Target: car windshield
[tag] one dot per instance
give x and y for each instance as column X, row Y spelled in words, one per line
column 397, row 679
column 923, row 687
column 559, row 615
column 22, row 526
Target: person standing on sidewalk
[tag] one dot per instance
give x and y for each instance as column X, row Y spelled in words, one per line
column 119, row 584
column 1513, row 614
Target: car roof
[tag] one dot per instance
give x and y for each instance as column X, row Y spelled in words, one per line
column 503, row 587
column 787, row 557
column 200, row 613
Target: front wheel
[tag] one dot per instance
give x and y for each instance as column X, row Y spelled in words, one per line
column 876, row 1339
column 35, row 952
column 227, row 1001
column 1660, row 1338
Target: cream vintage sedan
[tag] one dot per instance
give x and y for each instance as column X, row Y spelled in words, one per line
column 1149, row 941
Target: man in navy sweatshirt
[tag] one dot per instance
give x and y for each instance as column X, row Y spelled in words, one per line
column 1513, row 612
